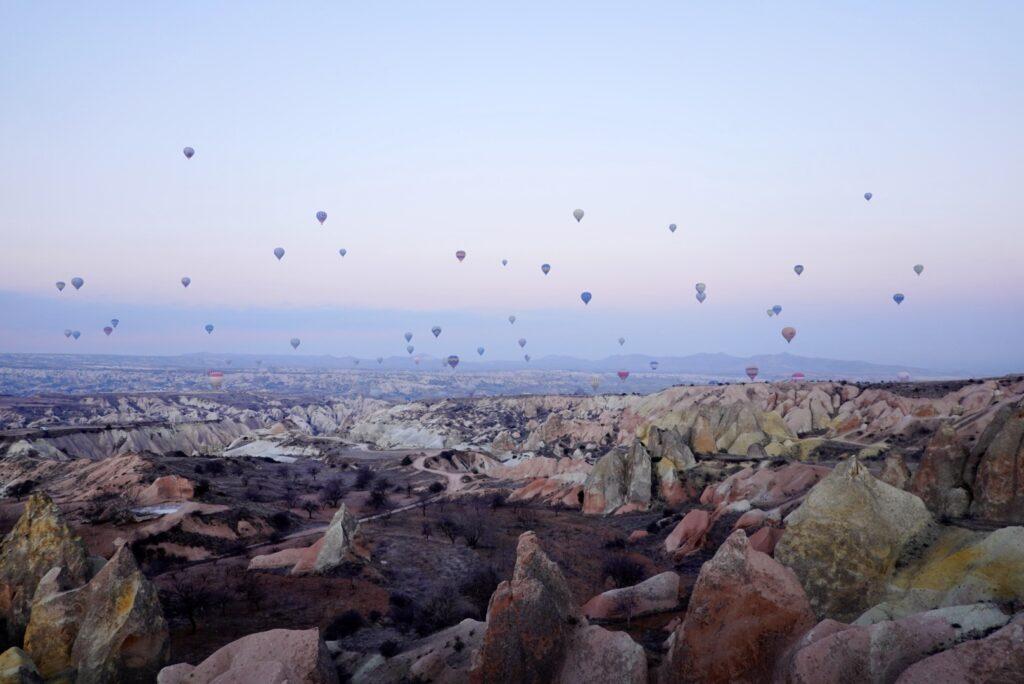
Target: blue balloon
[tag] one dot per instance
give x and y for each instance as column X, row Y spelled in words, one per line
column 898, row 298
column 436, row 330
column 279, row 253
column 701, row 297
column 480, row 351
column 546, row 268
column 777, row 309
column 585, row 297
column 321, row 216
column 208, row 328
column 408, row 337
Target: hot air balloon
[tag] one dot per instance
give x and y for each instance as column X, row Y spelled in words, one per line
column 527, row 357
column 776, row 309
column 76, row 334
column 453, row 360
column 77, row 283
column 522, row 342
column 701, row 297
column 903, row 376
column 343, row 252
column 585, row 297
column 672, row 227
column 770, row 312
column 918, row 269
column 654, row 365
column 107, row 330
column 789, row 334
column 578, row 215
column 898, row 298
column 868, row 196
column 799, row 268
column 700, row 287
column 504, row 262
column 480, row 351
column 595, row 381
column 115, row 322
column 60, row 286
column 408, row 337
column 460, row 255
column 752, row 372
column 216, row 379
column 67, row 332
column 186, row 281
column 188, row 152
column 417, row 361
column 410, row 348
column 623, row 375
column 546, row 268
column 321, row 216
column 622, row 341
column 380, row 359
column 798, row 376
column 279, row 253
column 512, row 319
column 356, row 361
column 208, row 328
column 436, row 330
column 295, row 342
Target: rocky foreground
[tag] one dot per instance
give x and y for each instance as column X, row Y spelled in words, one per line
column 816, row 532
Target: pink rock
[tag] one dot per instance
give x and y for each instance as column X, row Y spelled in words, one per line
column 654, row 595
column 765, row 539
column 752, row 518
column 637, row 535
column 996, row 658
column 164, row 489
column 688, row 535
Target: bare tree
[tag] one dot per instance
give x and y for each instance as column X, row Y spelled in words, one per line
column 449, row 528
column 332, row 493
column 310, row 507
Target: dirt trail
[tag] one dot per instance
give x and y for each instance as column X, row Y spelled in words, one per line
column 454, row 479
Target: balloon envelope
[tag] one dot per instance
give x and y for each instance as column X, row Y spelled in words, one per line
column 701, row 297
column 898, row 298
column 522, row 342
column 208, row 328
column 76, row 334
column 654, row 365
column 216, row 379
column 342, row 251
column 789, row 334
column 480, row 351
column 107, row 330
column 186, row 281
column 752, row 372
column 578, row 215
column 903, row 376
column 512, row 319
column 527, row 357
column 453, row 360
column 623, row 375
column 672, row 227
column 700, row 287
column 436, row 330
column 380, row 359
column 770, row 312
column 868, row 196
column 586, row 296
column 546, row 268
column 776, row 309
column 115, row 322
column 77, row 283
column 279, row 252
column 67, row 332
column 504, row 262
column 188, row 152
column 798, row 376
column 295, row 342
column 410, row 349
column 60, row 285
column 918, row 269
column 460, row 255
column 799, row 268
column 595, row 381
column 321, row 216
column 408, row 337
column 622, row 341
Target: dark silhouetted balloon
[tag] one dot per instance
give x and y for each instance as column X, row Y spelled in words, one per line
column 453, row 360
column 186, row 281
column 76, row 334
column 919, row 269
column 208, row 328
column 115, row 322
column 799, row 268
column 408, row 337
column 436, row 330
column 460, row 255
column 410, row 349
column 504, row 262
column 342, row 251
column 67, row 332
column 380, row 360
column 60, row 286
column 522, row 342
column 107, row 330
column 546, row 268
column 700, row 287
column 188, row 152
column 586, row 297
column 701, row 297
column 295, row 342
column 622, row 341
column 672, row 227
column 789, row 334
column 578, row 215
column 77, row 283
column 653, row 365
column 480, row 351
column 770, row 312
column 321, row 216
column 868, row 196
column 898, row 298
column 279, row 253
column 527, row 357
column 776, row 309
column 512, row 320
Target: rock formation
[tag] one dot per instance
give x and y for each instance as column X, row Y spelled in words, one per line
column 619, row 482
column 997, row 482
column 111, row 629
column 998, row 657
column 40, row 540
column 844, row 540
column 895, row 471
column 17, row 668
column 654, row 595
column 939, row 480
column 441, row 657
column 337, row 541
column 337, row 547
column 278, row 655
column 745, row 610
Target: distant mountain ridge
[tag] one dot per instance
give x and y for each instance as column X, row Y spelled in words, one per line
column 703, row 365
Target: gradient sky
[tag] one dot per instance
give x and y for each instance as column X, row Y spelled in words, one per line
column 423, row 128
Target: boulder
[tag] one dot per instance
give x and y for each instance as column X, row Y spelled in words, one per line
column 878, row 653
column 689, row 534
column 998, row 657
column 654, row 595
column 287, row 656
column 165, row 489
column 765, row 539
column 745, row 611
column 844, row 540
column 337, row 541
column 939, row 479
column 17, row 668
column 619, row 479
column 895, row 471
column 595, row 655
column 441, row 657
column 111, row 629
column 40, row 540
column 997, row 482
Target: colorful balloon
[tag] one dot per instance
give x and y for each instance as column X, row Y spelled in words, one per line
column 77, row 283
column 898, row 298
column 595, row 381
column 918, row 269
column 60, row 286
column 321, row 216
column 585, row 297
column 460, row 255
column 578, row 215
column 799, row 268
column 186, row 281
column 789, row 334
column 208, row 328
column 216, row 379
column 279, row 253
column 623, row 374
column 546, row 268
column 436, row 330
column 188, row 152
column 107, row 330
column 752, row 372
column 295, row 342
column 798, row 376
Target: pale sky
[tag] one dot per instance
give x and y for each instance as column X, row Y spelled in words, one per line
column 424, row 128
